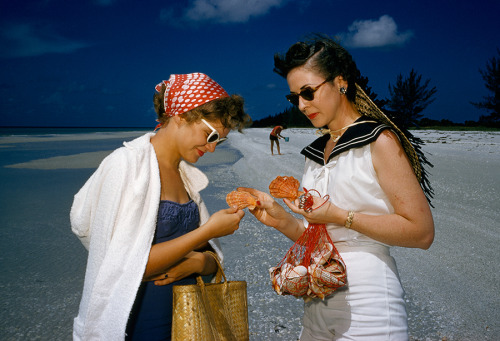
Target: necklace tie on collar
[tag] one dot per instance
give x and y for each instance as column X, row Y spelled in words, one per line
column 333, row 133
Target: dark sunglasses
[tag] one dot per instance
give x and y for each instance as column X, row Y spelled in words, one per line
column 214, row 136
column 307, row 93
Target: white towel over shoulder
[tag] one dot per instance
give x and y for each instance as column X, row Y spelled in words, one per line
column 114, row 215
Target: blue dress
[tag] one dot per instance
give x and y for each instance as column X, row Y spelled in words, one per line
column 151, row 315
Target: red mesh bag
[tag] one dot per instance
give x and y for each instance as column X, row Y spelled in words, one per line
column 312, row 267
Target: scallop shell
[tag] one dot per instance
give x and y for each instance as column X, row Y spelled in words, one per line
column 298, row 271
column 296, row 281
column 320, row 256
column 241, row 199
column 285, row 187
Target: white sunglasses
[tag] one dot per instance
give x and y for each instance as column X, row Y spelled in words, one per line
column 214, row 136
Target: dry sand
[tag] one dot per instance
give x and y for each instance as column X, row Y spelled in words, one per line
column 452, row 288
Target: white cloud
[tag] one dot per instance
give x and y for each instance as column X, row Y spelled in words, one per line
column 375, row 33
column 25, row 40
column 225, row 11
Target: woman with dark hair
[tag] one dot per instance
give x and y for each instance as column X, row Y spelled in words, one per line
column 142, row 219
column 371, row 173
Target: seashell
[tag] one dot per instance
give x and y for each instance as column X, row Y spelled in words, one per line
column 241, row 199
column 297, row 286
column 336, row 258
column 335, row 268
column 326, row 278
column 285, row 269
column 320, row 256
column 276, row 282
column 315, row 289
column 285, row 187
column 294, row 280
column 273, row 271
column 298, row 271
column 336, row 264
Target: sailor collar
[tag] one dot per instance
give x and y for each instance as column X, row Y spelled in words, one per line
column 354, row 137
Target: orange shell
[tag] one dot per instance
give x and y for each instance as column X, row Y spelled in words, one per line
column 285, row 187
column 241, row 199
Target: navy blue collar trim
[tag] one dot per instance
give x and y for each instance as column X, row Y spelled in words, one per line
column 354, row 137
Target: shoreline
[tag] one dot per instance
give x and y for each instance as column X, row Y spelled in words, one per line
column 460, row 270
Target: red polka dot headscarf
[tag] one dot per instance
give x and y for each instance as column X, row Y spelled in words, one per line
column 186, row 92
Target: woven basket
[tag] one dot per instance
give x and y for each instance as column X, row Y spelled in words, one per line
column 210, row 311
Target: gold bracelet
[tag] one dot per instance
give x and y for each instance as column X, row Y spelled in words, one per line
column 349, row 220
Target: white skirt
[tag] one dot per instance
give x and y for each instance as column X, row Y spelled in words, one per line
column 371, row 306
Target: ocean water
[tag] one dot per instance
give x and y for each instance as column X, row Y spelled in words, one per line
column 47, row 131
column 42, row 264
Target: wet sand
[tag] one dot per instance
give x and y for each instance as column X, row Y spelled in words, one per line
column 452, row 288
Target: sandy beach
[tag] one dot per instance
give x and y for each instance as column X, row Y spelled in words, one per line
column 452, row 289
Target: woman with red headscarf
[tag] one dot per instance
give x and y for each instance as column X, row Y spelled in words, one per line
column 141, row 217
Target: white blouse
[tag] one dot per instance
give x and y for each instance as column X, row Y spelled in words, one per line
column 352, row 184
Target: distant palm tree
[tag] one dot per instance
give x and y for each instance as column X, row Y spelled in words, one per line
column 408, row 98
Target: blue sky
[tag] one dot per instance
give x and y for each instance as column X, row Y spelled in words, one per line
column 96, row 62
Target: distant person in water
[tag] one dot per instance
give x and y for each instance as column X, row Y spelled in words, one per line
column 275, row 136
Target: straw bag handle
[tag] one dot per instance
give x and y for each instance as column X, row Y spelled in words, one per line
column 218, row 277
column 220, row 272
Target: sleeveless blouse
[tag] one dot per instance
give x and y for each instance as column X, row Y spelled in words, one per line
column 351, row 182
column 371, row 306
column 348, row 177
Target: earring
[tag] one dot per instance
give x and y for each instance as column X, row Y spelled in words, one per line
column 343, row 90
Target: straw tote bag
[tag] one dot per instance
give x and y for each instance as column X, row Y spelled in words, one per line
column 210, row 311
